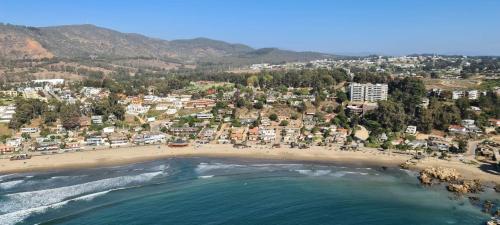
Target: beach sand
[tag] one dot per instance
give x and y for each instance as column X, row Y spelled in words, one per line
column 126, row 155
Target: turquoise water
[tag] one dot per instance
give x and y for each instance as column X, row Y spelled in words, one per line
column 222, row 191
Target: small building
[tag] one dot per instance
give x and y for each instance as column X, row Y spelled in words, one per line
column 207, row 134
column 411, row 130
column 29, row 130
column 253, row 134
column 6, row 149
column 457, row 95
column 97, row 119
column 117, row 139
column 95, row 141
column 204, row 116
column 108, row 130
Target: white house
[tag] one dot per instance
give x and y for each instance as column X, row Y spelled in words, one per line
column 96, row 119
column 411, row 130
column 29, row 130
column 267, row 135
column 473, row 94
column 457, row 95
column 108, row 130
column 204, row 116
column 136, row 109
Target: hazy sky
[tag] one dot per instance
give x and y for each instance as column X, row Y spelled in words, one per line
column 336, row 26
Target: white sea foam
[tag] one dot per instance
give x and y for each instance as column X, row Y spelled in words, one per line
column 10, row 184
column 2, row 177
column 410, row 172
column 206, row 176
column 314, row 173
column 343, row 173
column 18, row 216
column 28, row 200
column 160, row 167
column 205, row 167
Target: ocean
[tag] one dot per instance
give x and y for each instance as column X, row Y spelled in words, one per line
column 229, row 191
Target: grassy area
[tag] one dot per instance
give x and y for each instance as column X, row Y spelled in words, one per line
column 4, row 130
column 490, row 84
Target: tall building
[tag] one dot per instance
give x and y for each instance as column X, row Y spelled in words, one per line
column 368, row 92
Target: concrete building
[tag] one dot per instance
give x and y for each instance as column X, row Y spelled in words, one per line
column 368, row 92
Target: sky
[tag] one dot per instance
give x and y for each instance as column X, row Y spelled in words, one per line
column 389, row 27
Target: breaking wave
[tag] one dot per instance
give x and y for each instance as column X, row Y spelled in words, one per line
column 314, row 173
column 18, row 216
column 205, row 167
column 10, row 184
column 18, row 206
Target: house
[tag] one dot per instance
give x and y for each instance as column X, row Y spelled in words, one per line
column 85, row 122
column 96, row 119
column 72, row 146
column 47, row 145
column 237, row 134
column 291, row 135
column 417, row 144
column 200, row 103
column 117, row 139
column 14, row 142
column 340, row 136
column 253, row 134
column 204, row 116
column 149, row 138
column 108, row 130
column 265, row 121
column 494, row 122
column 457, row 95
column 224, row 138
column 207, row 134
column 457, row 129
column 95, row 141
column 6, row 149
column 267, row 134
column 154, row 137
column 473, row 94
column 136, row 109
column 411, row 130
column 183, row 131
column 29, row 130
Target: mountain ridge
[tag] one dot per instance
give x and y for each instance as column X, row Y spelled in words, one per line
column 88, row 40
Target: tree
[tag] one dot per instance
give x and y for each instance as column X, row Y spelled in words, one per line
column 341, row 96
column 284, row 123
column 258, row 105
column 70, row 116
column 390, row 115
column 273, row 117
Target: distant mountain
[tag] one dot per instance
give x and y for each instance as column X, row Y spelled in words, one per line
column 85, row 41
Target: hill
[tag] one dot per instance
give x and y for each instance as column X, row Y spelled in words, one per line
column 89, row 41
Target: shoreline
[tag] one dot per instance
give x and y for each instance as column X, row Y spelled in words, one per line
column 137, row 154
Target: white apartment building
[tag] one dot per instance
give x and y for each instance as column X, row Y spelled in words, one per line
column 473, row 94
column 368, row 92
column 457, row 95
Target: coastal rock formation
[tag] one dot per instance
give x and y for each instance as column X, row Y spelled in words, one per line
column 465, row 186
column 440, row 173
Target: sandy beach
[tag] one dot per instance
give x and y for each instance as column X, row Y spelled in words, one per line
column 126, row 155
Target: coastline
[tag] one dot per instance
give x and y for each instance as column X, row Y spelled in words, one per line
column 136, row 154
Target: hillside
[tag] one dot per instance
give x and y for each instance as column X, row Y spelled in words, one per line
column 85, row 41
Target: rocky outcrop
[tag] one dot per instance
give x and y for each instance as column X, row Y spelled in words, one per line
column 452, row 177
column 441, row 174
column 465, row 186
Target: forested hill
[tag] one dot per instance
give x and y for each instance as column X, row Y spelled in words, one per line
column 86, row 41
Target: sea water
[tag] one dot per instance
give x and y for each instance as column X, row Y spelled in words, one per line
column 229, row 191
